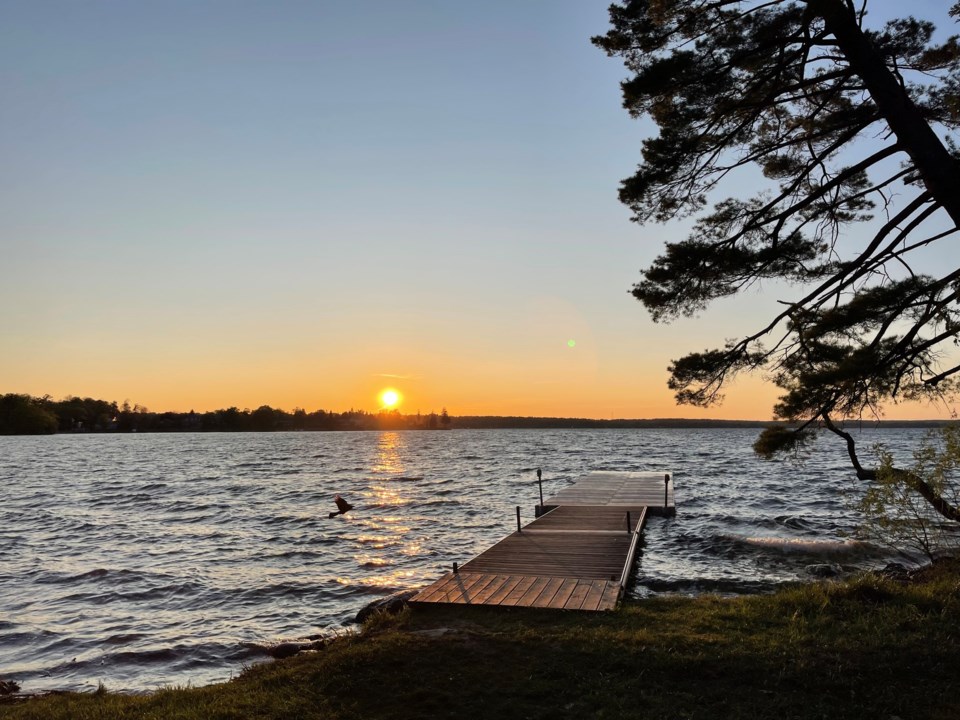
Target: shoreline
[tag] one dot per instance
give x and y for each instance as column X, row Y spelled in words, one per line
column 396, row 602
column 867, row 647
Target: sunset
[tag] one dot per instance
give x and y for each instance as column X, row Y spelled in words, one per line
column 207, row 209
column 389, row 399
column 552, row 358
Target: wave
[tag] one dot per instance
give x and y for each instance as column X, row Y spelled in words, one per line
column 805, row 546
column 124, row 638
column 189, row 506
column 299, row 554
column 112, row 577
column 374, row 564
column 178, row 656
column 364, row 589
column 157, row 485
column 699, row 586
column 285, row 648
column 439, row 503
column 173, row 595
column 284, row 520
column 793, row 522
column 411, row 502
column 57, row 578
column 279, row 590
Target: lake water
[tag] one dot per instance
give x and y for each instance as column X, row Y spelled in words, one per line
column 147, row 560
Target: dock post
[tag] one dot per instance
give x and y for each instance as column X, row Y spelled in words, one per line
column 628, row 521
column 455, row 568
column 518, row 519
column 666, row 486
column 540, row 484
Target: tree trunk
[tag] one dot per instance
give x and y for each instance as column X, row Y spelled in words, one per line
column 937, row 168
column 911, row 480
column 936, row 501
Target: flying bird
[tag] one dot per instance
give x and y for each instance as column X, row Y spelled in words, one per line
column 342, row 506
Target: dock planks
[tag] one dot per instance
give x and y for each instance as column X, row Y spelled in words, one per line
column 576, row 556
column 521, row 591
column 620, row 489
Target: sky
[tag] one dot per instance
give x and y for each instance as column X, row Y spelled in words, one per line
column 299, row 204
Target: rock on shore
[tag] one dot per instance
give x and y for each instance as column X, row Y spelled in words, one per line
column 391, row 605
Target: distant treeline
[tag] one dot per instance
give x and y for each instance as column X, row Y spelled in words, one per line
column 495, row 421
column 26, row 415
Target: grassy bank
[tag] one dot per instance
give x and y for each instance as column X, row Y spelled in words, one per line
column 870, row 648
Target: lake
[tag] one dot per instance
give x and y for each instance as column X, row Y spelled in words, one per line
column 139, row 561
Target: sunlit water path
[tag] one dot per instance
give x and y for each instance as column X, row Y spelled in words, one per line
column 146, row 560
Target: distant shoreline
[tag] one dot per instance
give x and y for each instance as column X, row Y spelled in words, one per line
column 480, row 422
column 507, row 422
column 26, row 415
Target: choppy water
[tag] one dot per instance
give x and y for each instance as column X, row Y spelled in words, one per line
column 147, row 560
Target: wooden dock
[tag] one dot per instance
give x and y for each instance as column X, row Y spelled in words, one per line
column 576, row 555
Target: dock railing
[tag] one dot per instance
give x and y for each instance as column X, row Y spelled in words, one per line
column 632, row 552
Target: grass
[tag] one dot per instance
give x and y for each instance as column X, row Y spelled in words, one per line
column 871, row 647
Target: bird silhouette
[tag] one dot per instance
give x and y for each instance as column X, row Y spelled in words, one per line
column 342, row 506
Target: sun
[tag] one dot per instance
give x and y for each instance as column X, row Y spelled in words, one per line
column 389, row 398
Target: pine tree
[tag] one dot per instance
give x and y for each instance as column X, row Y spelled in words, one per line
column 851, row 127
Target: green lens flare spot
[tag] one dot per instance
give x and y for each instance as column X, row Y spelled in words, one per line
column 571, row 343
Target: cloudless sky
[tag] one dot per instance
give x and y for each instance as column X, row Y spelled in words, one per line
column 206, row 204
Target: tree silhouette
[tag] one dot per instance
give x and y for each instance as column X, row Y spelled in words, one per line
column 24, row 415
column 851, row 127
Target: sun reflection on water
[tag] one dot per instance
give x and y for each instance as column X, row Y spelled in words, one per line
column 412, row 549
column 389, row 447
column 397, row 579
column 387, row 536
column 387, row 533
column 378, row 542
column 372, row 560
column 382, row 495
column 387, row 525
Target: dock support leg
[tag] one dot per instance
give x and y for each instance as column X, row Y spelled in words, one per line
column 628, row 521
column 518, row 519
column 666, row 488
